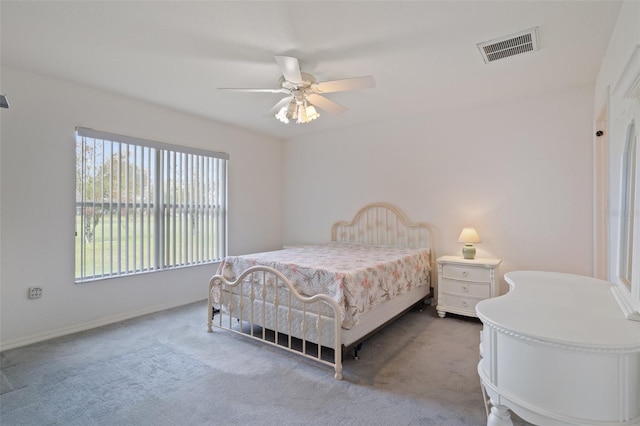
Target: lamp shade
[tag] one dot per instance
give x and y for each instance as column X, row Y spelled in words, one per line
column 469, row 235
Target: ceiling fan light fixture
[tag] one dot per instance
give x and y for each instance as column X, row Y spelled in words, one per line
column 312, row 114
column 292, row 109
column 282, row 115
column 302, row 114
column 300, row 111
column 288, row 112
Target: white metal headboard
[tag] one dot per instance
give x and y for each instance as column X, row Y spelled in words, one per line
column 383, row 224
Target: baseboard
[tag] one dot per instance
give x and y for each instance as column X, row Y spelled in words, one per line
column 24, row 341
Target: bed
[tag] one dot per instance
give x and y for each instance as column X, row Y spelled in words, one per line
column 312, row 298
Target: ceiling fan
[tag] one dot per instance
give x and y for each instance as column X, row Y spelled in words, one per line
column 304, row 93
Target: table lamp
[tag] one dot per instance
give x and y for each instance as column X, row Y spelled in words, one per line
column 468, row 236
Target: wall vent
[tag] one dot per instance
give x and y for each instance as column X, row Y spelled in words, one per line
column 511, row 45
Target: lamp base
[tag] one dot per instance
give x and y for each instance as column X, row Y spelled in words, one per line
column 469, row 251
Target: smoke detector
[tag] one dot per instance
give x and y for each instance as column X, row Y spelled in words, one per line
column 511, row 45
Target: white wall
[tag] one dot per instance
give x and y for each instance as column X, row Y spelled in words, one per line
column 37, row 205
column 520, row 172
column 624, row 43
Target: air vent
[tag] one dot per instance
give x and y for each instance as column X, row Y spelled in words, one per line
column 511, row 45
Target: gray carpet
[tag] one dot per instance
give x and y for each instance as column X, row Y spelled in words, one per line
column 164, row 369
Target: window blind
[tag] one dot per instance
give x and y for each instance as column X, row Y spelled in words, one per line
column 144, row 206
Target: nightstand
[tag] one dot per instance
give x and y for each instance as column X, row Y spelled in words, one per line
column 462, row 283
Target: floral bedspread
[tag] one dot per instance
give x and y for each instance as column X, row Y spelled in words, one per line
column 357, row 277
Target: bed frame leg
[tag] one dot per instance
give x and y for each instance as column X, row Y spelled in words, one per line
column 427, row 301
column 356, row 349
column 338, row 375
column 212, row 313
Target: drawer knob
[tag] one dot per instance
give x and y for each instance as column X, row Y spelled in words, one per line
column 465, row 289
column 465, row 273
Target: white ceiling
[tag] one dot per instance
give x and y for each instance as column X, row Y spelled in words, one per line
column 423, row 55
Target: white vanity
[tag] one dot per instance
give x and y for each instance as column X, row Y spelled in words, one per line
column 557, row 350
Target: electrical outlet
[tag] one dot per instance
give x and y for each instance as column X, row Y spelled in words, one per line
column 35, row 292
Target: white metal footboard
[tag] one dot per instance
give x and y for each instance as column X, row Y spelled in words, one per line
column 247, row 300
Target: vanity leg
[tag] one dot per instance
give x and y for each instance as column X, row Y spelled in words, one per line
column 499, row 416
column 441, row 314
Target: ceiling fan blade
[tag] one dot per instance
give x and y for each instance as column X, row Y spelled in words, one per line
column 282, row 102
column 290, row 68
column 326, row 104
column 231, row 89
column 355, row 83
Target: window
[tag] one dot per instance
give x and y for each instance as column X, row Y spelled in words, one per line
column 146, row 206
column 628, row 208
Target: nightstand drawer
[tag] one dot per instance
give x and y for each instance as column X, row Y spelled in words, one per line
column 466, row 273
column 460, row 303
column 462, row 283
column 466, row 288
